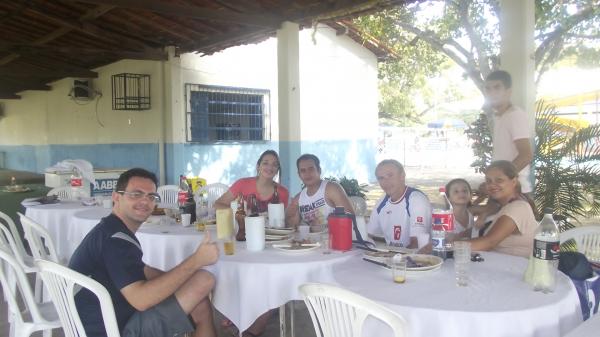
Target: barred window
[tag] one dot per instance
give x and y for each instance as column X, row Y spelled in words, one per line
column 226, row 114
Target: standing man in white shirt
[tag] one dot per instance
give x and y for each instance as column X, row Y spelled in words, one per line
column 511, row 133
column 403, row 212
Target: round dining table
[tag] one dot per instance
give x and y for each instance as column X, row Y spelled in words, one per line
column 57, row 219
column 496, row 302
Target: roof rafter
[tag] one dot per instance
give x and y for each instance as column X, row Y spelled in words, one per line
column 89, row 15
column 262, row 20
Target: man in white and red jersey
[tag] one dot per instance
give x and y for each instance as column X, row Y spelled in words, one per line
column 403, row 212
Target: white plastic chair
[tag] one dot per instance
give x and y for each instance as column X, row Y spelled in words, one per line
column 168, row 193
column 66, row 193
column 587, row 239
column 337, row 312
column 36, row 317
column 213, row 192
column 63, row 283
column 40, row 241
column 10, row 243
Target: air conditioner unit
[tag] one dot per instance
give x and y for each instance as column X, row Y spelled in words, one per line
column 82, row 89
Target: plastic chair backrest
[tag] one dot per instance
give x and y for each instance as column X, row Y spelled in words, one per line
column 587, row 239
column 213, row 192
column 18, row 240
column 168, row 193
column 40, row 241
column 24, row 325
column 338, row 312
column 66, row 193
column 63, row 284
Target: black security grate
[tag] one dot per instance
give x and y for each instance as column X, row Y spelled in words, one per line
column 131, row 91
column 226, row 114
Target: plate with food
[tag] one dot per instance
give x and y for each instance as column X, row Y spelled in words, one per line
column 270, row 237
column 278, row 231
column 423, row 262
column 16, row 189
column 296, row 247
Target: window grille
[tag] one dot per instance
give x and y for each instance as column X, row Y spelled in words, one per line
column 131, row 91
column 226, row 114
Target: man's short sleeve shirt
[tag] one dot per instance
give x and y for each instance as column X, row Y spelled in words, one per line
column 111, row 255
column 397, row 222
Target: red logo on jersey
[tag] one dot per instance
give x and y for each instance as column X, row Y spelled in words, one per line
column 397, row 232
column 420, row 219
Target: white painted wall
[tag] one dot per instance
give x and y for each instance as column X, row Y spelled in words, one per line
column 339, row 93
column 51, row 117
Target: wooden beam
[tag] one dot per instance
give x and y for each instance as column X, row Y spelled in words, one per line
column 94, row 30
column 10, row 85
column 217, row 40
column 196, row 12
column 89, row 15
column 8, row 95
column 27, row 49
column 36, row 72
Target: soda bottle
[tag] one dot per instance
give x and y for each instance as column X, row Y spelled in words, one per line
column 541, row 270
column 76, row 185
column 275, row 197
column 253, row 205
column 182, row 194
column 240, row 217
column 442, row 225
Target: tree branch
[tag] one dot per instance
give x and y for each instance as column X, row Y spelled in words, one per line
column 458, row 57
column 560, row 31
column 477, row 43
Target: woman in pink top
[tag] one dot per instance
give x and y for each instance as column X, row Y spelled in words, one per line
column 262, row 186
column 514, row 225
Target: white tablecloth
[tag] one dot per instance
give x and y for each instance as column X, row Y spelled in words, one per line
column 56, row 218
column 165, row 246
column 497, row 303
column 82, row 223
column 589, row 328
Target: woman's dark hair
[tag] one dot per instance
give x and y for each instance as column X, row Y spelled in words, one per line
column 274, row 154
column 308, row 156
column 124, row 178
column 509, row 170
column 456, row 181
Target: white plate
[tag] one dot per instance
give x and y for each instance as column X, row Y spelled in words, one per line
column 269, row 237
column 279, row 231
column 432, row 262
column 297, row 250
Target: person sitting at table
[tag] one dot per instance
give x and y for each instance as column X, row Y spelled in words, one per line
column 262, row 186
column 148, row 302
column 266, row 190
column 317, row 199
column 403, row 212
column 512, row 229
column 458, row 192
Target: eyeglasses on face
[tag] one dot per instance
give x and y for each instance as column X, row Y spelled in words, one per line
column 137, row 195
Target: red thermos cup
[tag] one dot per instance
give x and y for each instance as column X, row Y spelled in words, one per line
column 340, row 229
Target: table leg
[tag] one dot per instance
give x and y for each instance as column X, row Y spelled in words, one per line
column 292, row 332
column 282, row 321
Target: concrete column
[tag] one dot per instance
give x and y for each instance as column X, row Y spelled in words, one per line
column 517, row 51
column 290, row 132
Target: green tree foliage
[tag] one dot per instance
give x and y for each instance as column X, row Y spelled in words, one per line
column 424, row 34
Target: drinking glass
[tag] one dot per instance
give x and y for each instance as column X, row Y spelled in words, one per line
column 462, row 261
column 326, row 243
column 229, row 245
column 398, row 264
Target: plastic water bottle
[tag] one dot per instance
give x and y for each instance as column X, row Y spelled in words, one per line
column 541, row 271
column 76, row 185
column 441, row 225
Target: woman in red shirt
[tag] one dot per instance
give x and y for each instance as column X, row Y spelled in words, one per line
column 262, row 186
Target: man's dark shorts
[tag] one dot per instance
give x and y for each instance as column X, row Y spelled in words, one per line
column 166, row 319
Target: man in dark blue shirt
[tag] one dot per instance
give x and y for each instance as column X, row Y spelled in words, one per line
column 148, row 302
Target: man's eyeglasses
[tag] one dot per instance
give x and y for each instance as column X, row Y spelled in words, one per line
column 136, row 195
